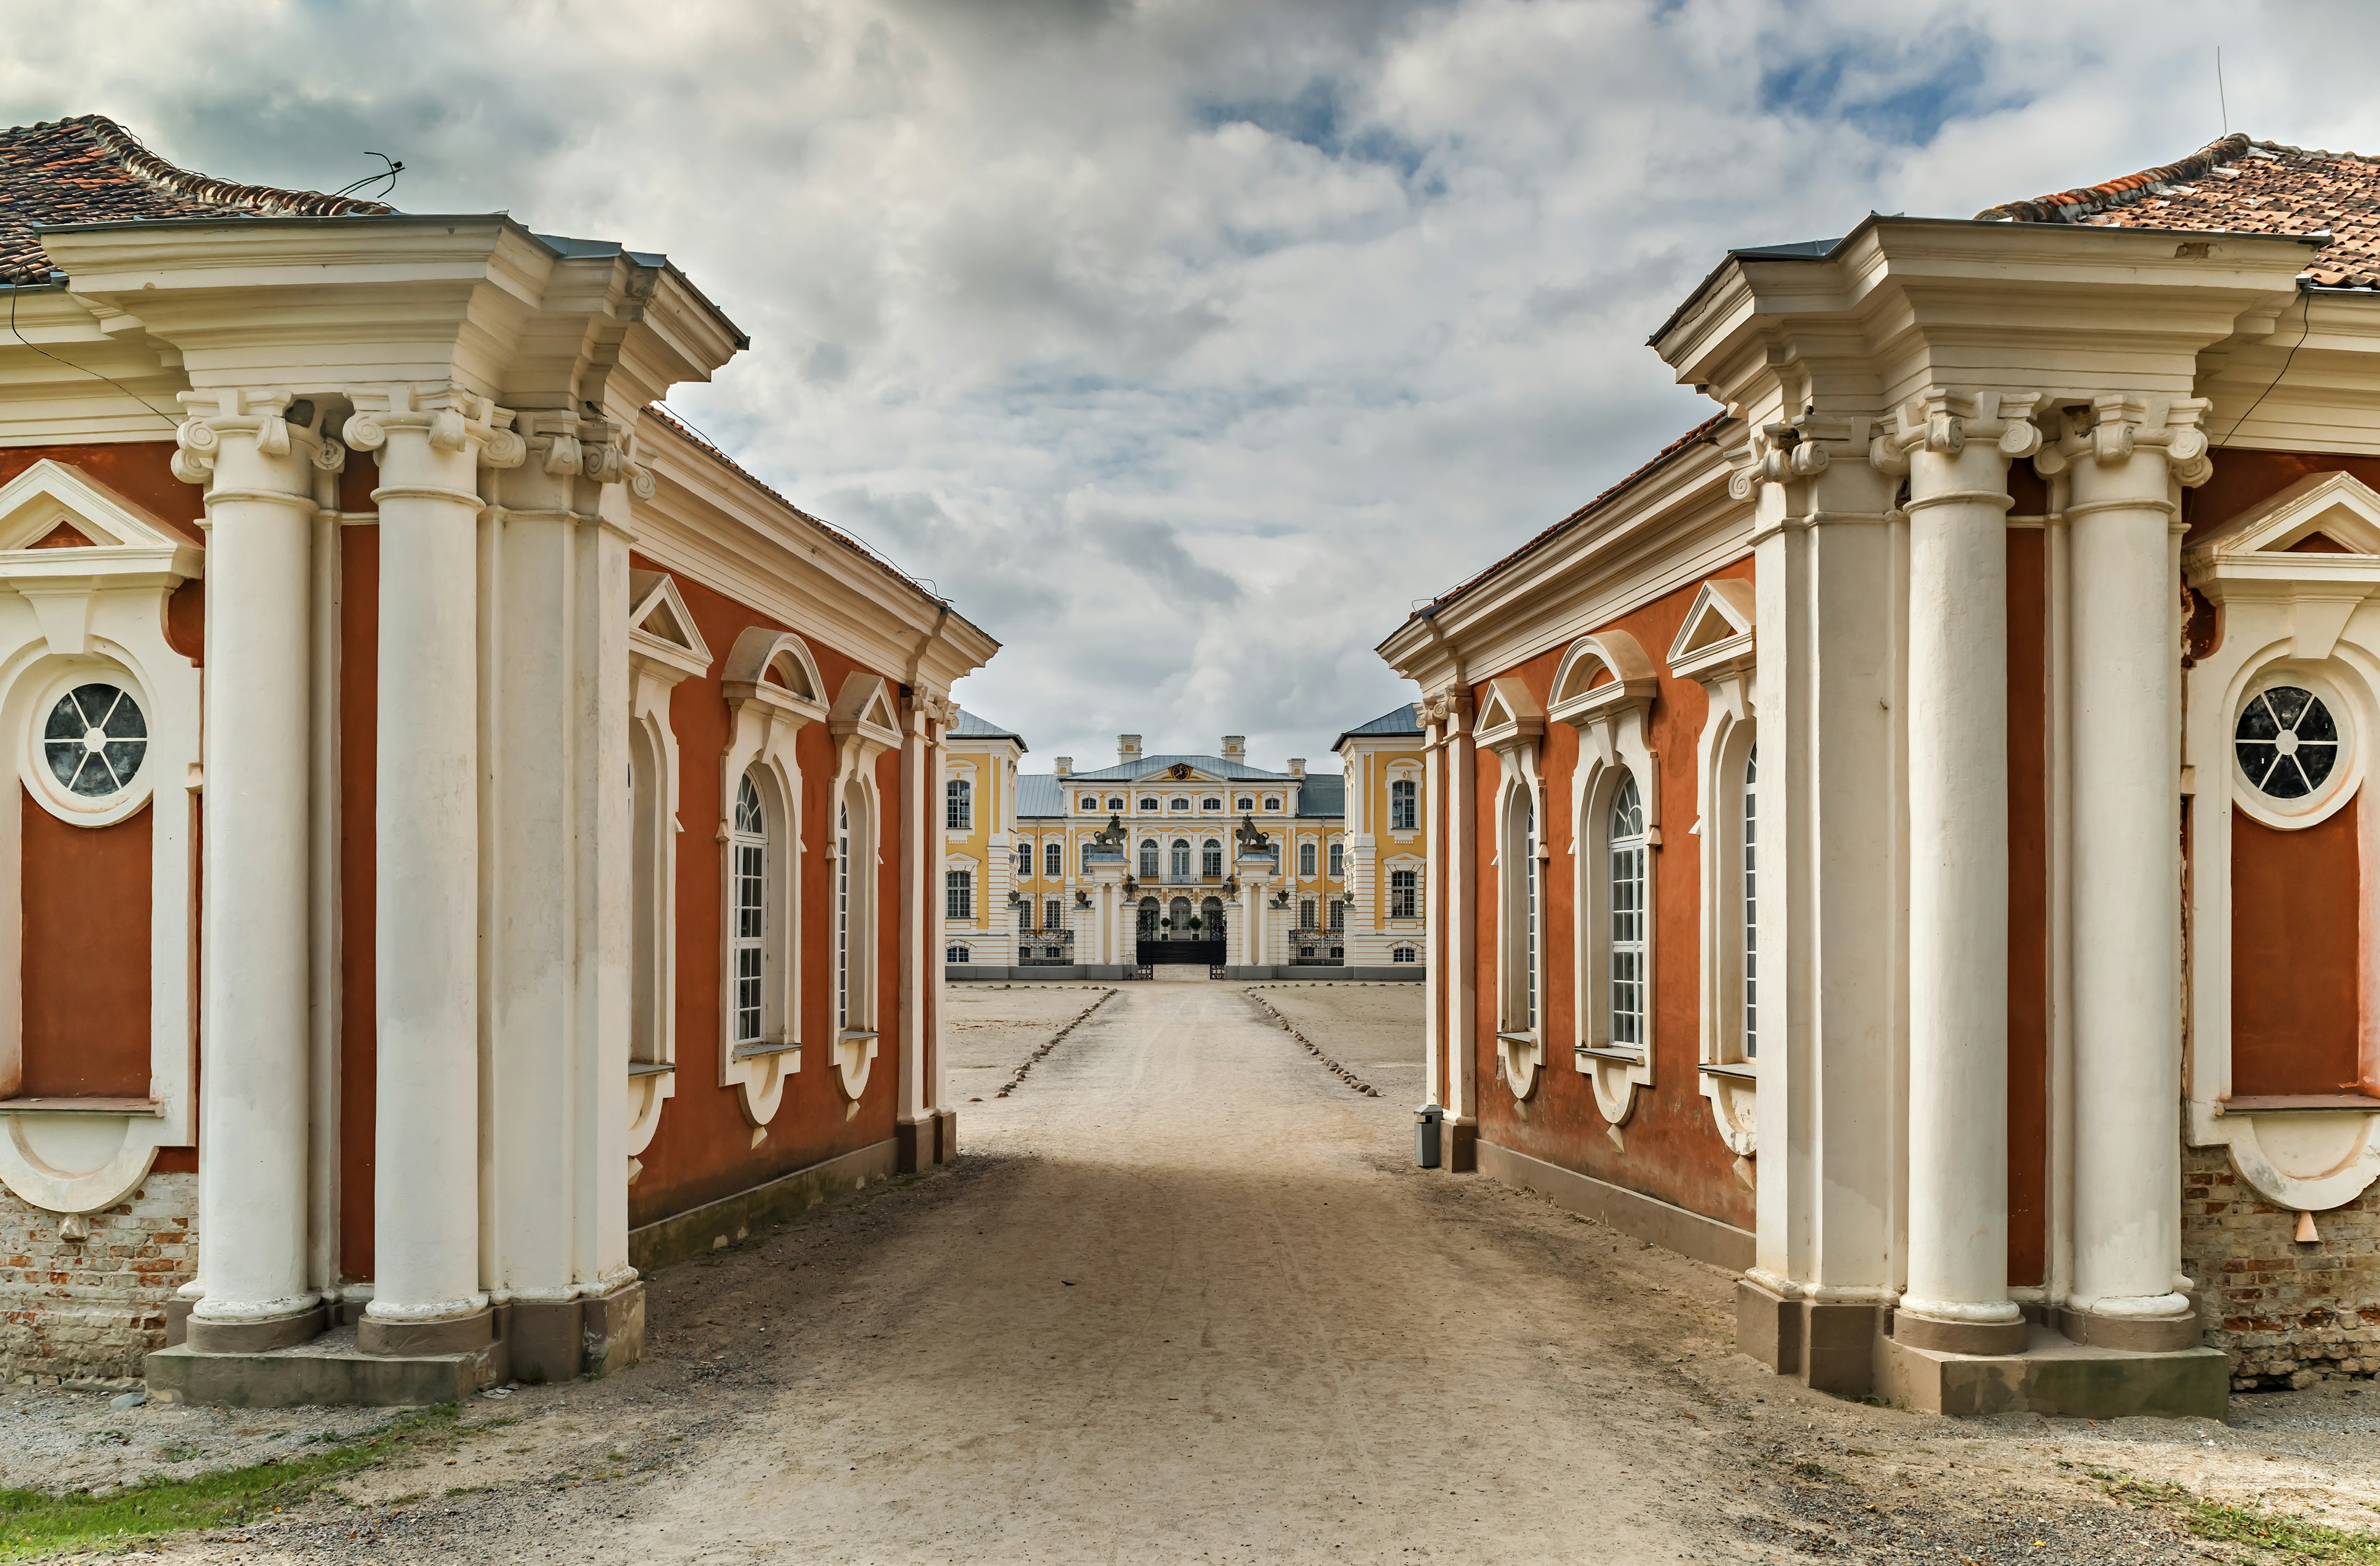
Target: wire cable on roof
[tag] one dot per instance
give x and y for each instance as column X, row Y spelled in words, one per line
column 2305, row 293
column 16, row 288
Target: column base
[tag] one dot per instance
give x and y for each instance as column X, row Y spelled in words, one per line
column 2141, row 1334
column 1459, row 1145
column 946, row 1136
column 1828, row 1345
column 2052, row 1374
column 1938, row 1335
column 931, row 1139
column 454, row 1334
column 259, row 1336
column 562, row 1340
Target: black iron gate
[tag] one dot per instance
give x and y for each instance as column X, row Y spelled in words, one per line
column 1209, row 953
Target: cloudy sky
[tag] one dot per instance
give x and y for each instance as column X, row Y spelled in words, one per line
column 1185, row 343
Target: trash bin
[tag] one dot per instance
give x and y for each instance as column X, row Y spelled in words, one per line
column 1426, row 1122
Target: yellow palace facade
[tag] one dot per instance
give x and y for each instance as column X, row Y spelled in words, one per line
column 1259, row 872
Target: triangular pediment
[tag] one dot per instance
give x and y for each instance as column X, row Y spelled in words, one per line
column 1178, row 773
column 660, row 624
column 75, row 523
column 1717, row 634
column 865, row 702
column 2333, row 512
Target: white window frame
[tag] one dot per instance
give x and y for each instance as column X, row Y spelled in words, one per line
column 1404, row 800
column 959, row 955
column 1612, row 719
column 1715, row 647
column 864, row 723
column 1025, row 860
column 958, row 895
column 665, row 648
column 959, row 804
column 1512, row 727
column 1336, row 858
column 1210, row 857
column 1053, row 859
column 1414, row 910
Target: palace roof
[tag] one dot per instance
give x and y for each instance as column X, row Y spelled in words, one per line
column 1401, row 720
column 1040, row 793
column 1149, row 768
column 1324, row 795
column 90, row 169
column 969, row 726
column 2238, row 186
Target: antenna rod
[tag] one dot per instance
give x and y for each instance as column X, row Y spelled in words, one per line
column 2221, row 101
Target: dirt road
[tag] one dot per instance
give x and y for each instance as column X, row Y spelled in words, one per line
column 1186, row 1299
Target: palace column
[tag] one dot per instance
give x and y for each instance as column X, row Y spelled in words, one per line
column 1433, row 978
column 1460, row 987
column 426, row 1296
column 2125, row 455
column 1957, row 451
column 258, row 468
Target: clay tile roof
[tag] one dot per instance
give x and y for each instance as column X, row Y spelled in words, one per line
column 2239, row 185
column 1707, row 432
column 90, row 169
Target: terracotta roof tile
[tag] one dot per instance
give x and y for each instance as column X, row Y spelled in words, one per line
column 2239, row 185
column 90, row 169
column 1705, row 431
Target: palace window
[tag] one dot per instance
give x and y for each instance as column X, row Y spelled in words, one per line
column 1181, row 858
column 1053, row 914
column 1624, row 862
column 1090, row 802
column 1149, row 802
column 959, row 804
column 1181, row 804
column 1115, row 802
column 95, row 740
column 1210, row 858
column 748, row 841
column 1338, row 914
column 1404, row 806
column 1401, row 955
column 1024, row 915
column 1305, row 858
column 1404, row 894
column 1086, row 858
column 958, row 894
column 1211, row 911
column 1517, row 867
column 849, row 1009
column 1053, row 859
column 1751, row 905
column 1025, row 860
column 955, row 954
column 1211, row 802
column 1247, row 802
column 1273, row 802
column 2287, row 741
column 1149, row 859
column 1338, row 861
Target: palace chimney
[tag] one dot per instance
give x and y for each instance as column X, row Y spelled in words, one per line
column 1065, row 765
column 1297, row 766
column 1127, row 750
column 1236, row 747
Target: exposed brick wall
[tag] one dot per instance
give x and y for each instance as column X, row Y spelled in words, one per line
column 82, row 1312
column 2288, row 1314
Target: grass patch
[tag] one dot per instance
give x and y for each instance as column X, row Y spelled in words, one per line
column 34, row 1522
column 2275, row 1537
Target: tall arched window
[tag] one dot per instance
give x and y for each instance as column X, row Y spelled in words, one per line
column 1148, row 871
column 1210, row 857
column 959, row 805
column 1751, row 904
column 1181, row 858
column 1053, row 859
column 749, row 935
column 1211, row 914
column 1518, row 857
column 1305, row 858
column 1145, row 919
column 1624, row 867
column 842, row 914
column 1179, row 911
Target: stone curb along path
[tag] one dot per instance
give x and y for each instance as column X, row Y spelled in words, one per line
column 1055, row 1039
column 1342, row 1073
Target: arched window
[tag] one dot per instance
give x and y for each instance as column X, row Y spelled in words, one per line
column 1338, row 861
column 1148, row 871
column 1517, row 870
column 1025, row 861
column 1624, row 868
column 1210, row 857
column 1179, row 804
column 1751, row 904
column 1149, row 802
column 959, row 804
column 1211, row 914
column 1181, row 858
column 1210, row 803
column 954, row 954
column 1090, row 802
column 747, row 936
column 1145, row 919
column 1305, row 858
column 1053, row 859
column 1273, row 802
column 1179, row 911
column 1247, row 802
column 1115, row 801
column 1404, row 806
column 1401, row 955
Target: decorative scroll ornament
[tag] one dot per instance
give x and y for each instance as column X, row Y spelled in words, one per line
column 2115, row 426
column 449, row 418
column 1778, row 453
column 618, row 460
column 260, row 416
column 1942, row 421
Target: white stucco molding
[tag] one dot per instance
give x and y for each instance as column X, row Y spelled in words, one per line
column 72, row 613
column 1715, row 647
column 2310, row 620
column 664, row 647
column 1605, row 689
column 772, row 688
column 864, row 723
column 1512, row 725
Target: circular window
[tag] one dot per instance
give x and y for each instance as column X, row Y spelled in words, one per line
column 94, row 740
column 2287, row 741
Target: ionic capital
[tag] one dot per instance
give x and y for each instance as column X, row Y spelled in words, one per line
column 449, row 419
column 1788, row 449
column 2114, row 427
column 1943, row 421
column 268, row 423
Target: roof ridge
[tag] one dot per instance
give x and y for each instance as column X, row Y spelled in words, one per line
column 192, row 186
column 2087, row 201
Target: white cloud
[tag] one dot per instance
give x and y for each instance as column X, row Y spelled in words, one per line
column 1185, row 345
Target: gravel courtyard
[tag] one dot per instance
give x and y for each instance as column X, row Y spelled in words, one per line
column 1184, row 1298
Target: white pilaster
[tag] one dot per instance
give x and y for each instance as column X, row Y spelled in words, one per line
column 1433, row 978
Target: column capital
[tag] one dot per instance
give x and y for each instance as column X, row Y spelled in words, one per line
column 1787, row 449
column 1942, row 420
column 265, row 423
column 2114, row 427
column 450, row 418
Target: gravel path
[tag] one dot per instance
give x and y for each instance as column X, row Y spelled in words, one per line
column 1186, row 1298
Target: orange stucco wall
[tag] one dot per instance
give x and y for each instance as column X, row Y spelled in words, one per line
column 1674, row 1151
column 702, row 1150
column 2296, row 1017
column 2028, row 980
column 359, row 801
column 86, row 953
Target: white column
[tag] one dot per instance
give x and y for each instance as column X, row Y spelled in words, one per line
column 1957, row 1297
column 426, row 1184
column 910, row 1105
column 1433, row 978
column 1461, row 983
column 253, row 1186
column 2124, row 454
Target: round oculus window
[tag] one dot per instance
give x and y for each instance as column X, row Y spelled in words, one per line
column 2287, row 741
column 95, row 740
